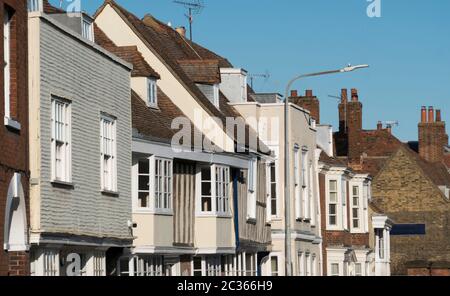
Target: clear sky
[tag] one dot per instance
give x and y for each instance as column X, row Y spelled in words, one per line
column 408, row 49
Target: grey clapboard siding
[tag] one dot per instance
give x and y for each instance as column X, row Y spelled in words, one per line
column 94, row 83
column 184, row 203
column 257, row 234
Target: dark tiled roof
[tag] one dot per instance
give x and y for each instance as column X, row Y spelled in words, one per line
column 128, row 53
column 379, row 143
column 172, row 47
column 202, row 71
column 332, row 161
column 447, row 160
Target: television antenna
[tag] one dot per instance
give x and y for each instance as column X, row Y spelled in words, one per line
column 194, row 7
column 266, row 77
column 391, row 123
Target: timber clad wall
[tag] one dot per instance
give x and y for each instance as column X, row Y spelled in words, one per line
column 14, row 144
column 408, row 196
column 95, row 83
column 254, row 234
column 184, row 203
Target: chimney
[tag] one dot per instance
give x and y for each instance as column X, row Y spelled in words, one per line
column 308, row 102
column 423, row 115
column 379, row 125
column 430, row 114
column 432, row 135
column 354, row 127
column 343, row 112
column 354, row 95
column 181, row 31
column 344, row 95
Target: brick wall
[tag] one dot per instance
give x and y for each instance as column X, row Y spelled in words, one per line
column 14, row 144
column 308, row 102
column 408, row 197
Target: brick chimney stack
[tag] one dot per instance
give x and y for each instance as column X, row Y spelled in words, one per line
column 379, row 125
column 309, row 102
column 432, row 135
column 343, row 112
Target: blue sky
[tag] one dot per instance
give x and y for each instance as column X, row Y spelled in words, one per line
column 408, row 49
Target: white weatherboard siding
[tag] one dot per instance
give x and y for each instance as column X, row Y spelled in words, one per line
column 94, row 82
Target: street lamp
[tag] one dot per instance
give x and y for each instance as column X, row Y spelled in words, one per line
column 287, row 204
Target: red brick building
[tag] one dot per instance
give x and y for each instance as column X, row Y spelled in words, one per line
column 410, row 184
column 14, row 173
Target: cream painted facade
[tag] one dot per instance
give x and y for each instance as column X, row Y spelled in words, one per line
column 268, row 120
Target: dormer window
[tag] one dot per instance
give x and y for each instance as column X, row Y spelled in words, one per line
column 152, row 93
column 87, row 29
column 34, row 5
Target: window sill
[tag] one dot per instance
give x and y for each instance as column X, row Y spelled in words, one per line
column 12, row 124
column 153, row 212
column 110, row 193
column 214, row 215
column 63, row 184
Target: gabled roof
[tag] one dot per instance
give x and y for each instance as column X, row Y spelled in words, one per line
column 173, row 48
column 331, row 161
column 128, row 53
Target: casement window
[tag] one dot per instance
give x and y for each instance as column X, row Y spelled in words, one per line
column 334, row 269
column 99, row 264
column 358, row 269
column 332, row 203
column 252, row 183
column 312, row 201
column 50, row 262
column 274, row 271
column 148, row 266
column 356, row 213
column 380, row 243
column 273, row 189
column 34, row 5
column 313, row 265
column 61, row 140
column 306, row 188
column 308, row 264
column 87, row 29
column 344, row 202
column 215, row 190
column 155, row 184
column 301, row 263
column 152, row 93
column 108, row 158
column 297, row 184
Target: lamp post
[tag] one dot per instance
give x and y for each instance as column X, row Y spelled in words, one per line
column 287, row 204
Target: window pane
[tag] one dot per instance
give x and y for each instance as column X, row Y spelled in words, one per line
column 333, row 196
column 143, row 200
column 144, row 183
column 144, row 167
column 274, row 265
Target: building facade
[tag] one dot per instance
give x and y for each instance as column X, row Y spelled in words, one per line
column 80, row 143
column 14, row 169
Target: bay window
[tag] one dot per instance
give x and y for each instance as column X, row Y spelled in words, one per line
column 108, row 158
column 155, row 184
column 332, row 203
column 214, row 182
column 61, row 140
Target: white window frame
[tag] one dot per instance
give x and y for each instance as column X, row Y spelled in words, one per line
column 160, row 186
column 272, row 181
column 87, row 29
column 301, row 263
column 252, row 188
column 299, row 210
column 331, row 273
column 108, row 155
column 307, row 264
column 335, row 203
column 220, row 191
column 61, row 140
column 35, row 5
column 360, row 273
column 306, row 184
column 152, row 265
column 277, row 261
column 7, row 61
column 152, row 93
column 211, row 265
column 216, row 95
column 358, row 207
column 344, row 195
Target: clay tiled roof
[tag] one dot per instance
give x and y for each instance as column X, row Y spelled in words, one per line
column 172, row 48
column 202, row 71
column 379, row 143
column 128, row 53
column 447, row 160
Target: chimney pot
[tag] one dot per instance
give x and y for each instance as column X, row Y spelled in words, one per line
column 423, row 114
column 181, row 31
column 294, row 93
column 379, row 125
column 354, row 95
column 344, row 95
column 438, row 116
column 430, row 114
column 309, row 93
